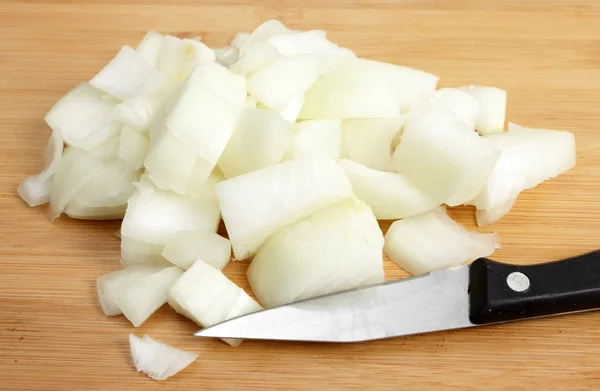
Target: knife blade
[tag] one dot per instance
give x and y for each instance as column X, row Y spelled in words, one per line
column 484, row 292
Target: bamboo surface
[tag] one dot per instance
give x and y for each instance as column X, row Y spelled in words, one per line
column 53, row 335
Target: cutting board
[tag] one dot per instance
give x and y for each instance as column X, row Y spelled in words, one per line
column 53, row 335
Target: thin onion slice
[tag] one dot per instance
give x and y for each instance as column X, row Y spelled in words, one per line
column 186, row 247
column 433, row 241
column 486, row 217
column 156, row 359
column 35, row 190
column 492, row 108
column 336, row 249
column 528, row 157
column 204, row 295
column 370, row 142
column 260, row 139
column 145, row 295
column 444, row 157
column 389, row 194
column 150, row 46
column 258, row 204
column 84, row 118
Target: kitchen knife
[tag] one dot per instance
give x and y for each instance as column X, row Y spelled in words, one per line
column 484, row 292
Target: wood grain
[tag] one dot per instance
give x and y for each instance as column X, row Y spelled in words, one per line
column 53, row 335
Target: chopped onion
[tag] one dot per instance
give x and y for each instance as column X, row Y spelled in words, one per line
column 485, row 217
column 268, row 29
column 433, row 241
column 260, row 139
column 317, row 137
column 190, row 139
column 84, row 118
column 297, row 73
column 463, row 105
column 204, row 295
column 184, row 248
column 178, row 57
column 35, row 190
column 139, row 252
column 335, row 249
column 358, row 90
column 256, row 57
column 307, row 42
column 528, row 157
column 147, row 294
column 410, row 84
column 370, row 141
column 221, row 81
column 114, row 284
column 227, row 55
column 150, row 46
column 258, row 204
column 156, row 359
column 133, row 147
column 389, row 194
column 492, row 108
column 240, row 40
column 127, row 75
column 154, row 215
column 444, row 157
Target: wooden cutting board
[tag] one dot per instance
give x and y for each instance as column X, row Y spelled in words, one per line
column 53, row 335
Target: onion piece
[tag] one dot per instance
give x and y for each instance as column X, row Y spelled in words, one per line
column 178, row 57
column 240, row 40
column 359, row 90
column 193, row 132
column 138, row 252
column 156, row 359
column 389, row 194
column 464, row 106
column 154, row 215
column 335, row 249
column 221, row 81
column 127, row 75
column 257, row 204
column 444, row 157
column 433, row 241
column 485, row 217
column 133, row 147
column 75, row 170
column 77, row 210
column 492, row 108
column 114, row 284
column 306, row 42
column 260, row 139
column 285, row 79
column 204, row 295
column 147, row 294
column 266, row 30
column 227, row 55
column 528, row 157
column 184, row 248
column 84, row 118
column 150, row 46
column 317, row 137
column 35, row 190
column 370, row 141
column 255, row 57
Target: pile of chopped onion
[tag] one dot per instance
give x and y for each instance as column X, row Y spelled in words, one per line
column 300, row 147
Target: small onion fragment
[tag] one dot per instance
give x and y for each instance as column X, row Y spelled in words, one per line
column 432, row 241
column 156, row 359
column 492, row 108
column 258, row 204
column 485, row 217
column 114, row 284
column 184, row 248
column 260, row 139
column 444, row 157
column 203, row 294
column 370, row 142
column 35, row 190
column 147, row 294
column 335, row 249
column 389, row 194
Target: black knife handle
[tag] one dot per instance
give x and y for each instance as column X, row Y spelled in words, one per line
column 499, row 292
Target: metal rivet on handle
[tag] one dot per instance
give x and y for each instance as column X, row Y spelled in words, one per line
column 518, row 282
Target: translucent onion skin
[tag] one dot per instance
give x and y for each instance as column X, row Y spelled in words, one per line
column 433, row 241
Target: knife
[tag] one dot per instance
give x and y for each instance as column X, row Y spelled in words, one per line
column 485, row 292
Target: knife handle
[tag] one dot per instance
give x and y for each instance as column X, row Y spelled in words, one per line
column 500, row 292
